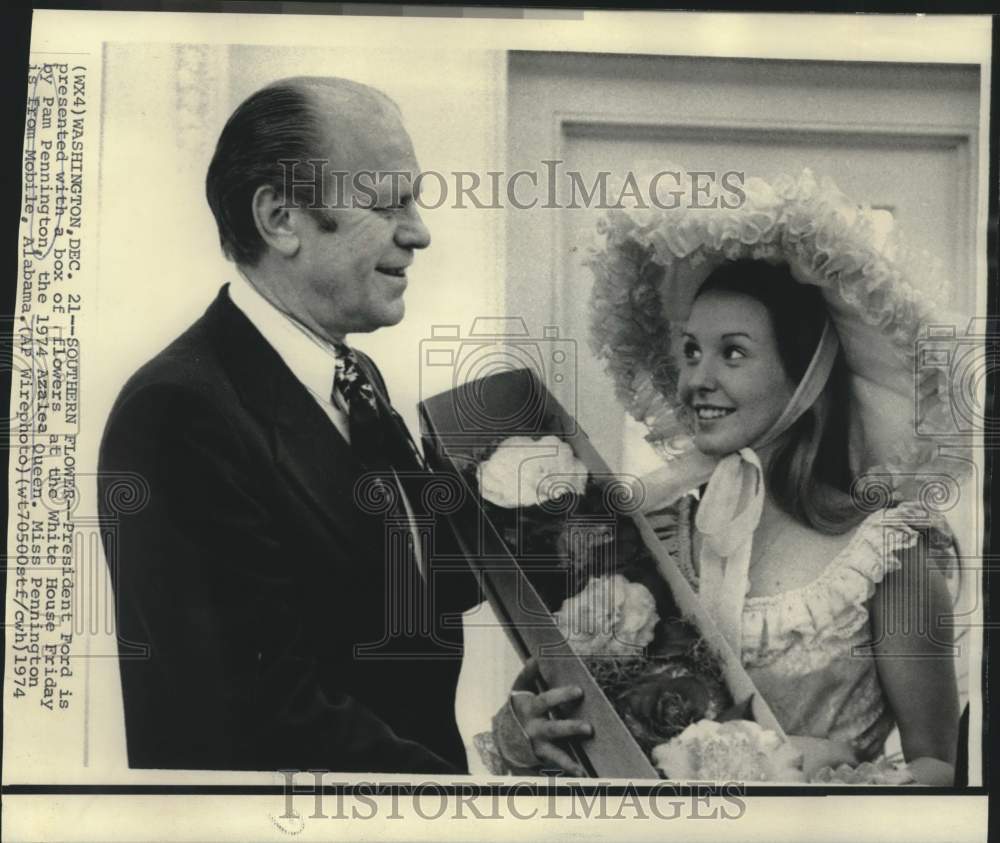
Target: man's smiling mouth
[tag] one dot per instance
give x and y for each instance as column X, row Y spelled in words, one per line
column 394, row 271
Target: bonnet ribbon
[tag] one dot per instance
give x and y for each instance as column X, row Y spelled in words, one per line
column 730, row 508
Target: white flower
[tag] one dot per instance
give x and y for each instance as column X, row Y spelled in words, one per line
column 609, row 617
column 527, row 472
column 735, row 751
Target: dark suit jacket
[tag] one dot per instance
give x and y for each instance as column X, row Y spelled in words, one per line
column 251, row 574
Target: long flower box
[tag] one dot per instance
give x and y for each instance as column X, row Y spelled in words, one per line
column 528, row 557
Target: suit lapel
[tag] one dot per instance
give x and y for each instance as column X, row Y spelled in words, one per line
column 315, row 457
column 307, row 447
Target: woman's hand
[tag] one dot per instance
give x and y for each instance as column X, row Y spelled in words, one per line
column 818, row 753
column 932, row 772
column 539, row 730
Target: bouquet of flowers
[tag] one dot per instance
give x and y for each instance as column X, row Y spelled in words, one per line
column 657, row 671
column 615, row 609
column 735, row 751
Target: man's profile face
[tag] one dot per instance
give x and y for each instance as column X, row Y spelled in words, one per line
column 352, row 279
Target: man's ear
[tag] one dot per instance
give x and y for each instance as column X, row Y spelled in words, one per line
column 276, row 223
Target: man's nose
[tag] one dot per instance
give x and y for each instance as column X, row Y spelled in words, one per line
column 411, row 232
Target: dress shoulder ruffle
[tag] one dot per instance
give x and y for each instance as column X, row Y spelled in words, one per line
column 834, row 605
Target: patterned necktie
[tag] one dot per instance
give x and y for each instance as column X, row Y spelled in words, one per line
column 365, row 423
column 378, row 436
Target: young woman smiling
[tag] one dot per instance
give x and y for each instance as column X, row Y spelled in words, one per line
column 769, row 349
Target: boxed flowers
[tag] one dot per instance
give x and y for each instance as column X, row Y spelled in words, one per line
column 579, row 579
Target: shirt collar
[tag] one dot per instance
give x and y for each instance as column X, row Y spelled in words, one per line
column 312, row 360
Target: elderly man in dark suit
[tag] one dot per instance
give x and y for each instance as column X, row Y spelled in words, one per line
column 258, row 587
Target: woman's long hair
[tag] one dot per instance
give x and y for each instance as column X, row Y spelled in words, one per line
column 809, row 475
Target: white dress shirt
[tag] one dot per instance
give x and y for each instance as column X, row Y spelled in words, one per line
column 312, row 361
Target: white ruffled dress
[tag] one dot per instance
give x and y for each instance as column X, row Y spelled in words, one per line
column 808, row 650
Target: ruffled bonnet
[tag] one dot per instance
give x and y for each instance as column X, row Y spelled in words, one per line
column 654, row 260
